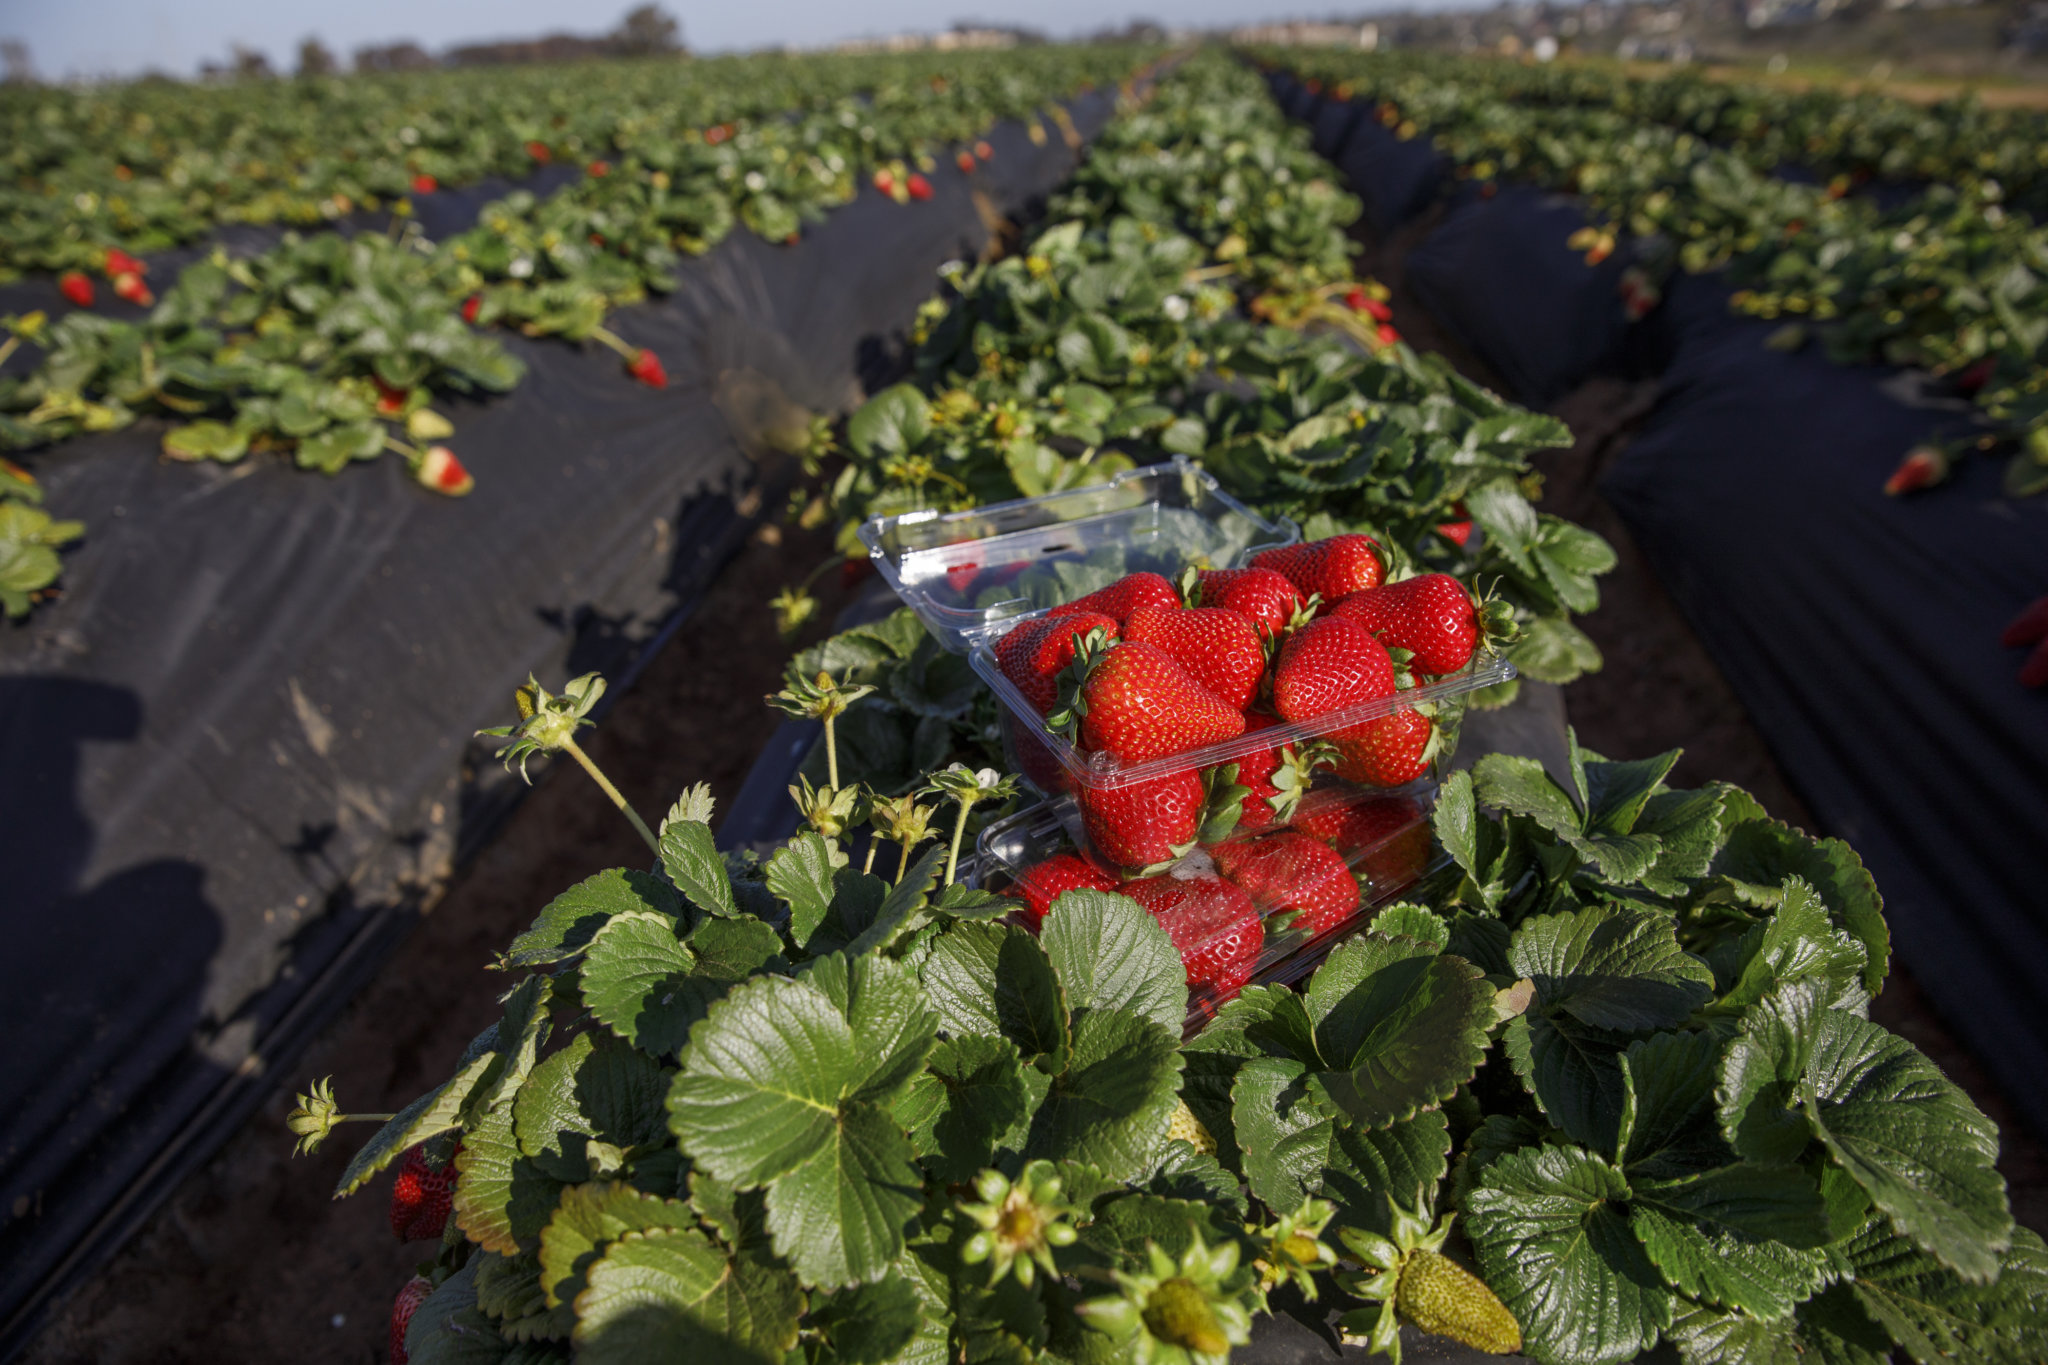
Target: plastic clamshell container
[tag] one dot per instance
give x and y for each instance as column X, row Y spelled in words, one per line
column 1052, row 764
column 971, row 575
column 1383, row 839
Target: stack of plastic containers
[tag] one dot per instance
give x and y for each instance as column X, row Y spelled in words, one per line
column 1258, row 902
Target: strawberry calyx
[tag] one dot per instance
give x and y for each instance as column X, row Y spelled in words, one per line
column 1222, row 803
column 1498, row 627
column 1291, row 780
column 1071, row 704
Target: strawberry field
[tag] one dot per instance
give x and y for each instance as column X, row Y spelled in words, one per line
column 1174, row 920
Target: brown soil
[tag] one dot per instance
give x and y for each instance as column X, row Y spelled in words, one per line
column 250, row 1260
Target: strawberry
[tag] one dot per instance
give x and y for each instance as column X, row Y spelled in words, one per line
column 646, row 367
column 439, row 470
column 1432, row 616
column 1218, row 648
column 1389, row 752
column 1377, row 310
column 119, row 262
column 1386, row 334
column 960, row 577
column 1034, row 654
column 470, row 306
column 420, row 1196
column 390, row 401
column 966, row 162
column 1212, row 922
column 1356, row 299
column 1140, row 824
column 1136, row 703
column 886, row 183
column 74, row 285
column 402, row 1308
column 1923, row 467
column 129, row 285
column 1289, row 871
column 1123, row 597
column 1331, row 664
column 984, row 151
column 852, row 572
column 1274, row 779
column 539, row 152
column 1265, row 595
column 1045, row 882
column 1458, row 532
column 2030, row 627
column 1333, row 567
column 598, row 170
column 1977, row 375
column 1384, row 837
column 424, row 184
column 919, row 188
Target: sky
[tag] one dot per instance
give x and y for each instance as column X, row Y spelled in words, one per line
column 126, row 37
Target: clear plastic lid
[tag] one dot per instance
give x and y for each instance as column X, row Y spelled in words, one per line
column 971, row 575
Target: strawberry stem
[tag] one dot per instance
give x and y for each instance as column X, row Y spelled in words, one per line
column 903, row 858
column 618, row 799
column 953, row 854
column 831, row 754
column 8, row 348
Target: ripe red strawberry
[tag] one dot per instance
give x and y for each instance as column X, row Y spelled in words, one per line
column 539, row 152
column 1389, row 752
column 984, row 151
column 886, row 183
column 1123, row 597
column 1034, row 654
column 129, row 285
column 1386, row 334
column 1384, row 837
column 439, row 470
column 1431, row 615
column 1356, row 299
column 965, row 161
column 420, row 1196
column 424, row 184
column 390, row 401
column 646, row 367
column 1333, row 567
column 1265, row 595
column 960, row 577
column 1377, row 310
column 1331, row 664
column 402, row 1308
column 1136, row 703
column 1288, row 871
column 920, row 188
column 119, row 262
column 1219, row 648
column 470, row 306
column 1045, row 882
column 1458, row 532
column 1140, row 824
column 1212, row 922
column 1923, row 467
column 74, row 285
column 1274, row 779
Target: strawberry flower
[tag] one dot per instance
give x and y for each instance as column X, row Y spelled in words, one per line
column 1018, row 1223
column 1185, row 1312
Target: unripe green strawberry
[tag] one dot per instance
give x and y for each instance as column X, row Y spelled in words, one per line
column 1177, row 1312
column 1185, row 1127
column 1438, row 1295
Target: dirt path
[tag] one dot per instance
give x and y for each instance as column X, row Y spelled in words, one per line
column 250, row 1260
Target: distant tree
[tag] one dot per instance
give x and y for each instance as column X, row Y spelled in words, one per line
column 21, row 69
column 647, row 31
column 248, row 63
column 314, row 58
column 393, row 57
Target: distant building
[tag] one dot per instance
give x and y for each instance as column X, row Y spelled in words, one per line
column 1301, row 33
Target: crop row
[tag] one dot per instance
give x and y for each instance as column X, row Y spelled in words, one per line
column 331, row 347
column 1952, row 278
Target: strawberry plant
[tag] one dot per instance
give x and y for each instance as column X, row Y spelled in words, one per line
column 1607, row 1081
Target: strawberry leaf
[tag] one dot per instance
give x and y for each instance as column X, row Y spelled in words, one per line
column 995, row 979
column 670, row 1294
column 1366, row 1165
column 565, row 927
column 436, row 1112
column 1761, row 853
column 1398, row 1026
column 971, row 1095
column 1685, row 1229
column 1552, row 1238
column 1110, row 1107
column 450, row 1329
column 633, row 981
column 800, row 873
column 840, row 1215
column 1108, row 953
column 502, row 1198
column 1938, row 1316
column 586, row 1221
column 1284, row 1136
column 592, row 1088
column 870, row 1324
column 694, row 864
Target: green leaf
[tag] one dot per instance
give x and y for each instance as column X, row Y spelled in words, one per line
column 801, row 872
column 436, row 1112
column 673, row 1295
column 1762, row 853
column 1552, row 1237
column 886, row 1014
column 521, row 1030
column 1616, row 792
column 1399, row 1027
column 1412, row 921
column 502, row 1198
column 1553, row 650
column 840, row 1215
column 1706, row 1260
column 593, row 1088
column 693, row 863
column 870, row 1323
column 1284, row 1137
column 564, row 929
column 1520, row 786
column 905, row 898
column 448, row 1328
column 1798, row 942
column 994, row 978
column 893, row 422
column 1938, row 1316
column 1667, row 1122
column 983, row 1095
column 1110, row 1107
column 1367, row 1166
column 633, row 981
column 1710, row 1336
column 209, row 440
column 588, row 1218
column 1610, row 969
column 1110, row 954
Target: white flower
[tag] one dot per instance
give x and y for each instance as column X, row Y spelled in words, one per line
column 756, row 182
column 521, row 267
column 1175, row 307
column 409, row 135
